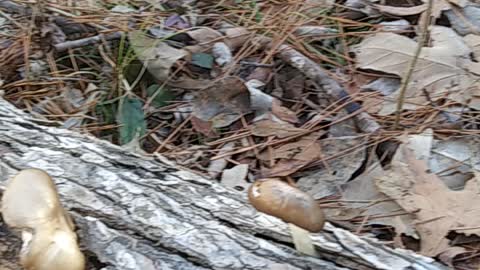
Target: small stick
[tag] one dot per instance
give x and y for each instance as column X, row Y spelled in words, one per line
column 60, row 47
column 421, row 41
column 159, row 148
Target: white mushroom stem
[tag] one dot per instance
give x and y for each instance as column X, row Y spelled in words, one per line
column 302, row 240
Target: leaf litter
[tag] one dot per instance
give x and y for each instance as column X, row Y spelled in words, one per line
column 437, row 209
column 444, row 70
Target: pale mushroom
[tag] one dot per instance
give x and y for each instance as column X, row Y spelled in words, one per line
column 277, row 198
column 31, row 204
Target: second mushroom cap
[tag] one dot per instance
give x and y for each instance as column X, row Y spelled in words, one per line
column 279, row 199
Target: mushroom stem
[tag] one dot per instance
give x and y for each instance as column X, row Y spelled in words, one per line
column 302, row 240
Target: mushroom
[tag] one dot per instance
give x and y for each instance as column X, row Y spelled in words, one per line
column 303, row 215
column 31, row 204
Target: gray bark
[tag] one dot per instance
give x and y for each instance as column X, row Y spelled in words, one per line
column 136, row 212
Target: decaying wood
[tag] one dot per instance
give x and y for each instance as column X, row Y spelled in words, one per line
column 134, row 212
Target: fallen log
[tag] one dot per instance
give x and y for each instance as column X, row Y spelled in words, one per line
column 137, row 212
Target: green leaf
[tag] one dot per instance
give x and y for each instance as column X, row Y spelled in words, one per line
column 256, row 9
column 162, row 97
column 132, row 70
column 203, row 60
column 107, row 111
column 131, row 119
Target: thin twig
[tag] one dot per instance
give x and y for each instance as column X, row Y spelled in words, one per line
column 178, row 129
column 406, row 80
column 72, row 44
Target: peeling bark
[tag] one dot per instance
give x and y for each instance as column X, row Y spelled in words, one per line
column 135, row 212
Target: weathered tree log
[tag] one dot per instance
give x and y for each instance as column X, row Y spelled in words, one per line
column 135, row 212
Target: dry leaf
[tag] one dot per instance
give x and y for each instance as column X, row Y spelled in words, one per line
column 385, row 86
column 421, row 144
column 284, row 167
column 343, row 128
column 236, row 177
column 465, row 20
column 294, row 83
column 156, row 4
column 291, row 157
column 450, row 254
column 261, row 102
column 460, row 3
column 319, row 3
column 283, row 113
column 53, row 33
column 440, row 69
column 203, row 127
column 177, row 21
column 395, row 26
column 155, row 54
column 402, row 11
column 473, row 41
column 437, row 209
column 373, row 103
column 326, row 181
column 451, row 159
column 305, row 150
column 236, row 37
column 222, row 103
column 216, row 167
column 266, row 128
column 314, row 7
column 189, row 83
column 204, row 35
column 363, row 188
column 260, row 73
column 313, row 31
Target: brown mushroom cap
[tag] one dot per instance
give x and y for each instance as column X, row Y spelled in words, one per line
column 31, row 203
column 279, row 199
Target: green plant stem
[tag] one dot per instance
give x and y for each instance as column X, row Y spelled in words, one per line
column 411, row 68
